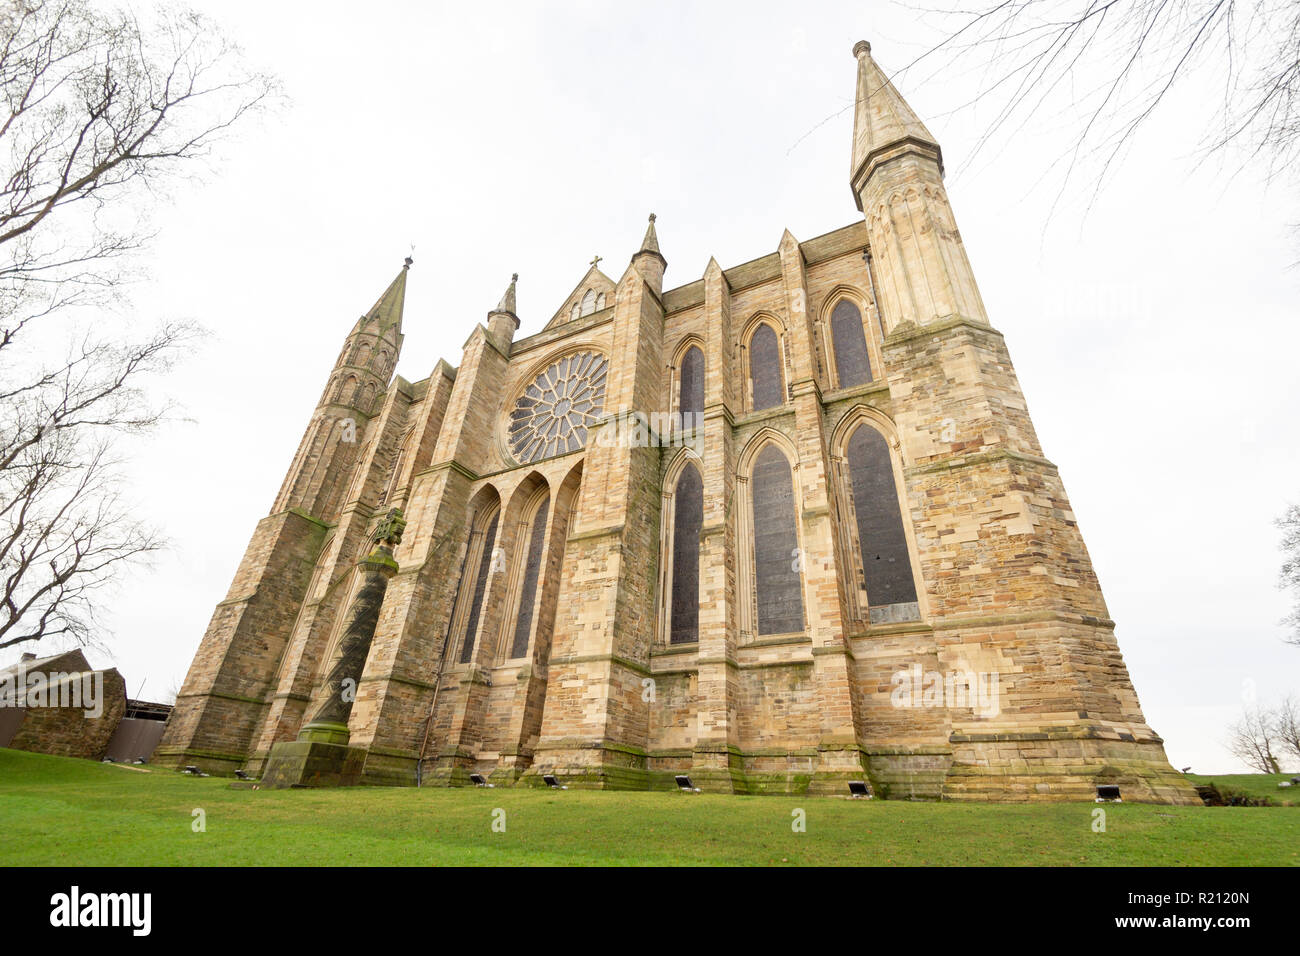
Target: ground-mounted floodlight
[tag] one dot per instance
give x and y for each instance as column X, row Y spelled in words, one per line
column 479, row 780
column 243, row 775
column 684, row 784
column 859, row 790
column 193, row 771
column 1108, row 793
column 1186, row 770
column 550, row 781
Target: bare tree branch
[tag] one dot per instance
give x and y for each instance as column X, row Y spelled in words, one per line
column 98, row 111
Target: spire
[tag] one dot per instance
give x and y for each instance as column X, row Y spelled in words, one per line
column 881, row 119
column 507, row 303
column 649, row 262
column 387, row 310
column 651, row 241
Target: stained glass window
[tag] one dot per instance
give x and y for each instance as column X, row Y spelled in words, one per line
column 886, row 564
column 692, row 392
column 851, row 358
column 553, row 414
column 765, row 368
column 688, row 517
column 528, row 594
column 480, row 587
column 777, row 566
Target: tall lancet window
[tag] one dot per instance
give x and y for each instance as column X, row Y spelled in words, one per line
column 532, row 570
column 691, row 399
column 765, row 368
column 777, row 577
column 688, row 518
column 482, row 541
column 852, row 361
column 886, row 562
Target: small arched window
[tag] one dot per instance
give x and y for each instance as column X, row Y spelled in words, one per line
column 691, row 397
column 574, row 312
column 777, row 579
column 886, row 561
column 532, row 569
column 482, row 542
column 589, row 302
column 765, row 368
column 688, row 518
column 600, row 302
column 852, row 361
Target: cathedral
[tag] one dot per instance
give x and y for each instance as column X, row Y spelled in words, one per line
column 780, row 528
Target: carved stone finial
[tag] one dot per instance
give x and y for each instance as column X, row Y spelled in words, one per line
column 652, row 217
column 390, row 528
column 406, row 263
column 861, row 47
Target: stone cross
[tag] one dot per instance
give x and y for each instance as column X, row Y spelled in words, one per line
column 595, row 260
column 390, row 528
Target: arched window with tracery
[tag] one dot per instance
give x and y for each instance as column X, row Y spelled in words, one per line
column 849, row 340
column 765, row 368
column 778, row 579
column 691, row 390
column 533, row 559
column 882, row 541
column 478, row 560
column 688, row 519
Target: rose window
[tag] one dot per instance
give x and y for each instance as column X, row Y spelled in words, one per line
column 553, row 414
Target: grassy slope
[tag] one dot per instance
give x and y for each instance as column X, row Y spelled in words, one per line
column 71, row 812
column 1254, row 785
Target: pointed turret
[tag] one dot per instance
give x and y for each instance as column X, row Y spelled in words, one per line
column 507, row 303
column 898, row 184
column 387, row 310
column 502, row 321
column 884, row 126
column 649, row 261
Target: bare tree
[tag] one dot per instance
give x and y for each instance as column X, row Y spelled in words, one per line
column 1286, row 726
column 98, row 112
column 1110, row 64
column 1250, row 740
column 1289, row 578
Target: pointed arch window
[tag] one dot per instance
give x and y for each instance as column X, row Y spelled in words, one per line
column 691, row 396
column 778, row 582
column 765, row 368
column 481, row 544
column 882, row 540
column 852, row 360
column 532, row 571
column 688, row 519
column 588, row 302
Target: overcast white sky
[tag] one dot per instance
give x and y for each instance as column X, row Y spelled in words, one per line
column 1156, row 337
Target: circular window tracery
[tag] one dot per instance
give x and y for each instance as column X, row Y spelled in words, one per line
column 553, row 414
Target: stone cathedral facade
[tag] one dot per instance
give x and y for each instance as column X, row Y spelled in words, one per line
column 780, row 527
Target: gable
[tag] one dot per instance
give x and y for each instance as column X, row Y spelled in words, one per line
column 594, row 293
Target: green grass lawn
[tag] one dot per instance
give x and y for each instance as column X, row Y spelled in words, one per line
column 62, row 811
column 1254, row 785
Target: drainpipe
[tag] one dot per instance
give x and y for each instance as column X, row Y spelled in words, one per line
column 871, row 279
